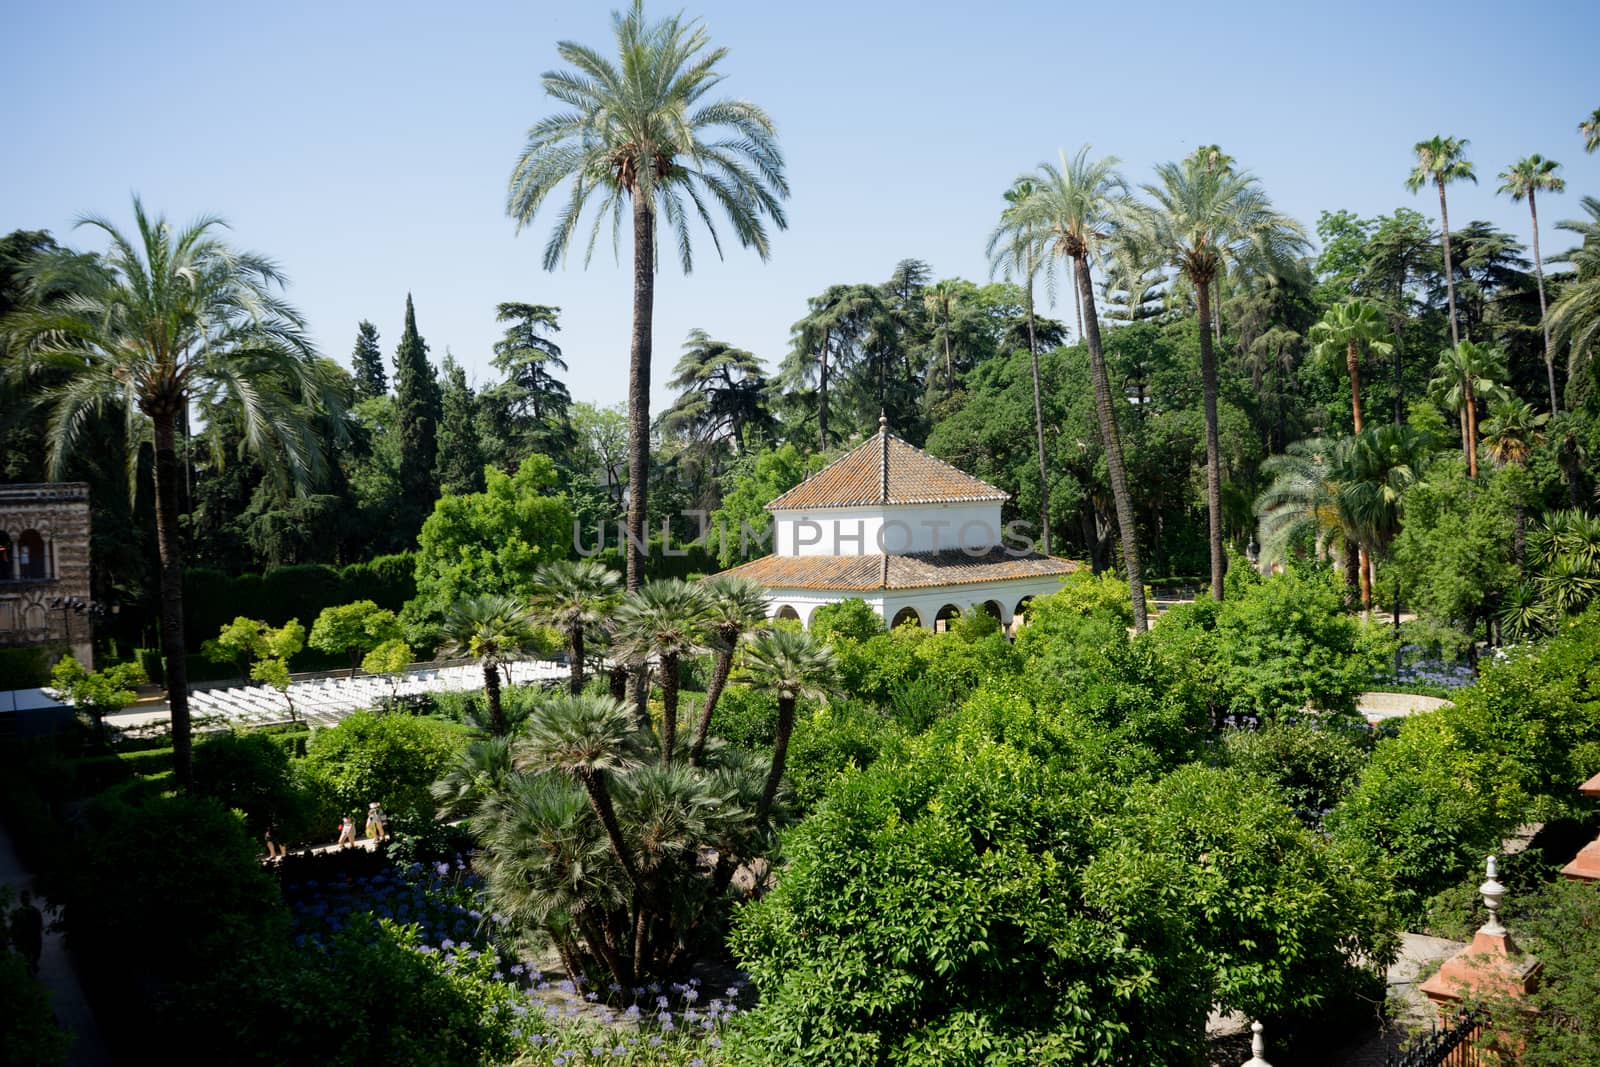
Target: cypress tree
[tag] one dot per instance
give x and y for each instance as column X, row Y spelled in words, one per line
column 366, row 363
column 417, row 408
column 461, row 455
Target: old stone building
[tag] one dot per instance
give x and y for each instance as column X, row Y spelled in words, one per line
column 44, row 566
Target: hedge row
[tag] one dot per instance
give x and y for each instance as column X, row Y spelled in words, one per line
column 212, row 598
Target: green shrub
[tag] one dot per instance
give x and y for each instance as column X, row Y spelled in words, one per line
column 28, row 668
column 151, row 663
column 834, row 739
column 392, row 759
column 32, row 1038
column 1313, row 764
column 852, row 618
column 250, row 772
column 746, row 716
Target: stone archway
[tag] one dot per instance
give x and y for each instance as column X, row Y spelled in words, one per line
column 907, row 614
column 946, row 615
column 786, row 613
column 993, row 609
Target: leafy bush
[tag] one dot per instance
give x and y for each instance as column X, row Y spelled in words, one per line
column 27, row 668
column 32, row 1038
column 833, row 740
column 746, row 716
column 1312, row 764
column 852, row 618
column 250, row 772
column 392, row 759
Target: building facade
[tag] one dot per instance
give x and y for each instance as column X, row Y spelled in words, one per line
column 917, row 539
column 44, row 567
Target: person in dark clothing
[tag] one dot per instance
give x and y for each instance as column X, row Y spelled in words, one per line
column 27, row 931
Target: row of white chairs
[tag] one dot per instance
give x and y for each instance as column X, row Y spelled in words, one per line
column 325, row 701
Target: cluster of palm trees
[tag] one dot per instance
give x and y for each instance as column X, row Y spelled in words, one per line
column 601, row 829
column 1203, row 218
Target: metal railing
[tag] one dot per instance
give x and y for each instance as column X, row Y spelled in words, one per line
column 1448, row 1046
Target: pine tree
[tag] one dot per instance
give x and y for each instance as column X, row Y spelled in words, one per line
column 366, row 363
column 417, row 401
column 461, row 455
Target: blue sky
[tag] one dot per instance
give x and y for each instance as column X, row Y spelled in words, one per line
column 366, row 146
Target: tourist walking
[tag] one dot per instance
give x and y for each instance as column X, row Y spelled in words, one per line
column 375, row 821
column 27, row 931
column 347, row 831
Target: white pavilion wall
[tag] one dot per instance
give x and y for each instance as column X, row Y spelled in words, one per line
column 902, row 529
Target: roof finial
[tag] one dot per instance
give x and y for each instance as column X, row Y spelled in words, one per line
column 1493, row 892
column 883, row 438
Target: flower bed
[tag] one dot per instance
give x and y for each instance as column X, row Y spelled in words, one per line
column 441, row 912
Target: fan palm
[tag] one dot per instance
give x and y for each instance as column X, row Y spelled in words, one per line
column 666, row 618
column 1204, row 218
column 478, row 773
column 588, row 738
column 791, row 664
column 165, row 317
column 1526, row 178
column 1575, row 316
column 1440, row 161
column 1373, row 470
column 1465, row 374
column 1590, row 128
column 1014, row 251
column 737, row 611
column 575, row 597
column 493, row 630
column 1342, row 333
column 1512, row 431
column 640, row 133
column 1302, row 501
column 1075, row 206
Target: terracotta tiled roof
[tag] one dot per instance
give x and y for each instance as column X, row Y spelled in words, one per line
column 912, row 571
column 856, row 479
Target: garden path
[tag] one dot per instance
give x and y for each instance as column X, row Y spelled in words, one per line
column 58, row 973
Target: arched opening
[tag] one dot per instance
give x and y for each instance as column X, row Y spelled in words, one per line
column 31, row 562
column 906, row 615
column 947, row 614
column 1020, row 615
column 993, row 609
column 7, row 557
column 787, row 614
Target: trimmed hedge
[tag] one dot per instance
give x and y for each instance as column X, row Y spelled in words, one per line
column 212, row 598
column 28, row 668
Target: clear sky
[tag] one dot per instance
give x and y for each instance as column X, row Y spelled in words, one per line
column 366, row 146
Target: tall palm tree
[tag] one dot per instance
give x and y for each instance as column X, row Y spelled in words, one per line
column 1440, row 161
column 1075, row 206
column 493, row 630
column 640, row 133
column 1014, row 251
column 1590, row 128
column 943, row 301
column 791, row 664
column 1525, row 178
column 666, row 618
column 738, row 611
column 1510, row 434
column 1575, row 316
column 1465, row 374
column 836, row 325
column 576, row 597
column 1205, row 217
column 164, row 317
column 1342, row 333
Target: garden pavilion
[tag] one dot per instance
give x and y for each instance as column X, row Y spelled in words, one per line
column 917, row 539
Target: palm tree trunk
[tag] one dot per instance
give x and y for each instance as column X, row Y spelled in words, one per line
column 1208, row 375
column 1449, row 271
column 1352, row 573
column 575, row 650
column 644, row 286
column 1038, row 417
column 1112, row 441
column 949, row 368
column 669, row 706
column 1538, row 270
column 723, row 666
column 171, row 566
column 822, row 392
column 780, row 752
column 602, row 948
column 1077, row 302
column 594, row 783
column 1351, row 363
column 1364, row 563
column 1472, row 431
column 491, row 693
